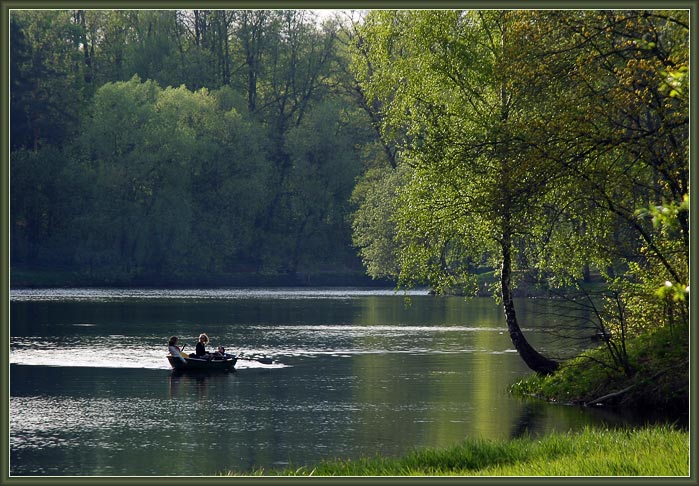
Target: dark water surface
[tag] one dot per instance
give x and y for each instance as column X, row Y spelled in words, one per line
column 357, row 373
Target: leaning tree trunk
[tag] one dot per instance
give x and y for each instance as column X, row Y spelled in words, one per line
column 537, row 362
column 541, row 364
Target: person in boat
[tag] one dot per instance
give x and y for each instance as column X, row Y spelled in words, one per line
column 174, row 349
column 200, row 351
column 221, row 353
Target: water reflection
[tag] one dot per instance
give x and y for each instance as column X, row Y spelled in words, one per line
column 538, row 417
column 186, row 385
column 356, row 374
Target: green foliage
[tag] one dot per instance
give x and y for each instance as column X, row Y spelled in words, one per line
column 512, row 128
column 660, row 381
column 654, row 291
column 428, row 71
column 530, row 139
column 46, row 79
column 320, row 180
column 373, row 226
column 676, row 81
column 164, row 160
column 617, row 132
column 174, row 167
column 41, row 223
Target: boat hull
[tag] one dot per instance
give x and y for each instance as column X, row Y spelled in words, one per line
column 202, row 365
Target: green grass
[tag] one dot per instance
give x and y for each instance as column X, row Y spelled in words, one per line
column 650, row 451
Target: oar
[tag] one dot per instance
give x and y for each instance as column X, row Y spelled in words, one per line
column 259, row 360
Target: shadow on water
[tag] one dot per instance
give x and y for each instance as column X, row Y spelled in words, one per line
column 197, row 382
column 538, row 415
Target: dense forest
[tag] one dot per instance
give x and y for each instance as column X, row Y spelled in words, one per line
column 549, row 148
column 184, row 146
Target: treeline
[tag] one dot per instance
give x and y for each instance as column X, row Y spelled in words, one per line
column 183, row 145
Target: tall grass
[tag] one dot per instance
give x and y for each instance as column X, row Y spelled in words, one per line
column 651, row 451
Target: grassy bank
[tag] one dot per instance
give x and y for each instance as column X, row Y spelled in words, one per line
column 658, row 378
column 651, row 451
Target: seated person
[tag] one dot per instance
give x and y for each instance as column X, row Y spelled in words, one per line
column 221, row 353
column 174, row 350
column 200, row 351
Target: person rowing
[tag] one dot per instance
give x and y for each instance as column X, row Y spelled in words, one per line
column 175, row 350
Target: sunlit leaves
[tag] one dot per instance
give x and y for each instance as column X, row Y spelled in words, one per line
column 374, row 224
column 560, row 123
column 676, row 81
column 443, row 81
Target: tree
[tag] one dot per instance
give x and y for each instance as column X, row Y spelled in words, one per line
column 533, row 138
column 353, row 44
column 324, row 166
column 373, row 221
column 443, row 80
column 620, row 127
column 252, row 29
column 298, row 63
column 181, row 143
column 622, row 131
column 20, row 87
column 171, row 169
column 40, row 223
column 46, row 78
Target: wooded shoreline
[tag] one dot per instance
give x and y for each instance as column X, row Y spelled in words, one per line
column 33, row 279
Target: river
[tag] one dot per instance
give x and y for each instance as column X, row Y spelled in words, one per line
column 355, row 373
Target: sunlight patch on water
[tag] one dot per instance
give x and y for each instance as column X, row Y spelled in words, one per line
column 59, row 421
column 46, row 353
column 83, row 356
column 276, row 342
column 372, row 330
column 107, row 294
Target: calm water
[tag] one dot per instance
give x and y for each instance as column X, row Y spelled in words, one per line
column 357, row 373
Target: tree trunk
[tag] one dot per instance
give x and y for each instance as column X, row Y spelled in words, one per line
column 541, row 364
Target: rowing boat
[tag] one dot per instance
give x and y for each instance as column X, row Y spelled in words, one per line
column 202, row 364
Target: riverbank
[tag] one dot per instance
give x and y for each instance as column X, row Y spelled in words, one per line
column 23, row 278
column 650, row 451
column 658, row 377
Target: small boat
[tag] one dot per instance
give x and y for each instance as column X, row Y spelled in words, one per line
column 200, row 364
